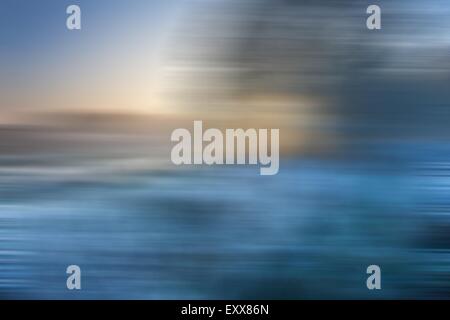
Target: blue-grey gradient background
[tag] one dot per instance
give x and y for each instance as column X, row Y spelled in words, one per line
column 85, row 170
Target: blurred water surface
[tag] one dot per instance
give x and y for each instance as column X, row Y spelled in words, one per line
column 85, row 170
column 227, row 233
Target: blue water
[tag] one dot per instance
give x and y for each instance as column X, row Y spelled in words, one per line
column 309, row 232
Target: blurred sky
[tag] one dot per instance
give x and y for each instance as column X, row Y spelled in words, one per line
column 310, row 68
column 287, row 52
column 111, row 63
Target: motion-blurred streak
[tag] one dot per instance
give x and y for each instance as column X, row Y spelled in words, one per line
column 85, row 170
